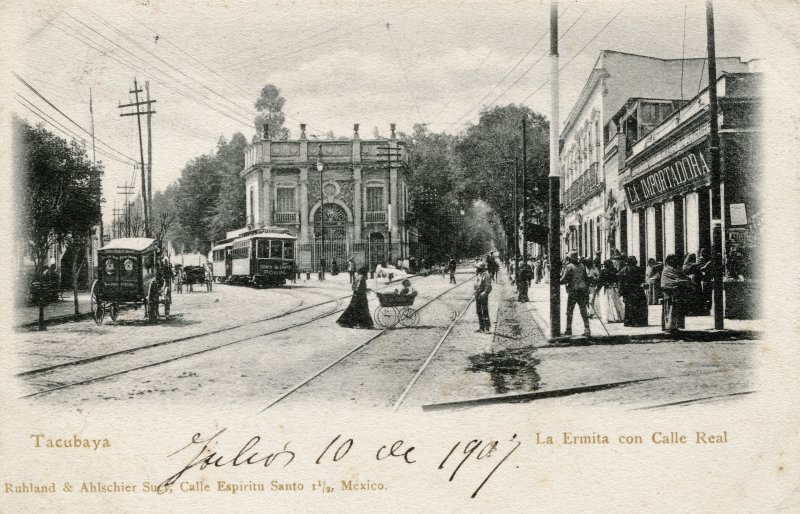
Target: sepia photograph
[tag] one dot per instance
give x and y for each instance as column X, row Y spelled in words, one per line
column 275, row 234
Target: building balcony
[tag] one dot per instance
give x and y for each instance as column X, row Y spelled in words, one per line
column 285, row 217
column 586, row 186
column 375, row 217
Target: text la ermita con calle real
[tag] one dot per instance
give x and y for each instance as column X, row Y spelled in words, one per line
column 205, row 452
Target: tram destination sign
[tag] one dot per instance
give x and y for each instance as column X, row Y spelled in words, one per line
column 675, row 176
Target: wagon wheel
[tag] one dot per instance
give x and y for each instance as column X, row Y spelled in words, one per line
column 151, row 307
column 385, row 316
column 98, row 309
column 113, row 311
column 409, row 317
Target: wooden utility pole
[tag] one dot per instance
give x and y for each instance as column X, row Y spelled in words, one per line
column 716, row 197
column 524, row 188
column 127, row 191
column 139, row 113
column 554, row 233
column 149, row 153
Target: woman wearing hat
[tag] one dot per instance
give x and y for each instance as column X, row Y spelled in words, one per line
column 357, row 313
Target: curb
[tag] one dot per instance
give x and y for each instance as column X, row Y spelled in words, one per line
column 55, row 320
column 686, row 335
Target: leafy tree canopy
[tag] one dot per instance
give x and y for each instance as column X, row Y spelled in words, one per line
column 270, row 107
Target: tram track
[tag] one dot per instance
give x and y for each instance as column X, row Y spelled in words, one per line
column 337, row 307
column 456, row 317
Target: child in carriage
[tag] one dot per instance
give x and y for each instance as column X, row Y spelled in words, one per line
column 407, row 289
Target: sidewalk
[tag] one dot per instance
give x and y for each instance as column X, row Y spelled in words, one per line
column 697, row 327
column 59, row 311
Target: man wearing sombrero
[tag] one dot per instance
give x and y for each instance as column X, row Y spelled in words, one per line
column 483, row 286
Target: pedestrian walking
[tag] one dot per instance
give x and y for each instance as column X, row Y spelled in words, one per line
column 351, row 269
column 523, row 282
column 537, row 270
column 179, row 280
column 675, row 285
column 653, row 281
column 577, row 285
column 593, row 276
column 610, row 303
column 334, row 268
column 631, row 288
column 321, row 274
column 209, row 277
column 357, row 313
column 483, row 286
column 451, row 267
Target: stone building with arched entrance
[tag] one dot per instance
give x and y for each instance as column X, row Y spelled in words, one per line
column 360, row 199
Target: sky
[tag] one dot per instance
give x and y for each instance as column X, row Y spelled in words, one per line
column 335, row 62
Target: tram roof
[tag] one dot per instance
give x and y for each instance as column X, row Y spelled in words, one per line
column 266, row 235
column 136, row 244
column 222, row 246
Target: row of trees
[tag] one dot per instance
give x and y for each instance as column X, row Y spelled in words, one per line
column 57, row 197
column 464, row 184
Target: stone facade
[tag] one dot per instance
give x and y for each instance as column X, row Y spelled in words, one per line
column 362, row 185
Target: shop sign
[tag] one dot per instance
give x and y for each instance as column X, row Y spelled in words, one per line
column 674, row 176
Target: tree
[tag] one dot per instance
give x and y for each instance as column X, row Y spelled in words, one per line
column 195, row 199
column 491, row 154
column 230, row 211
column 435, row 185
column 270, row 106
column 58, row 196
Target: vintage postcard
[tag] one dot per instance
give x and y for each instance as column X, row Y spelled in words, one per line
column 335, row 256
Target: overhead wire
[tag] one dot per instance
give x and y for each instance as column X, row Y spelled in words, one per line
column 169, row 65
column 579, row 51
column 537, row 61
column 48, row 102
column 218, row 74
column 137, row 69
column 61, row 128
column 405, row 75
column 147, row 63
column 514, row 67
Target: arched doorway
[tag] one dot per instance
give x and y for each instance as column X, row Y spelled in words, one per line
column 336, row 223
column 336, row 226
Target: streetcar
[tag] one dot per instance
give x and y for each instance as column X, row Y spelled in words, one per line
column 131, row 274
column 263, row 258
column 222, row 259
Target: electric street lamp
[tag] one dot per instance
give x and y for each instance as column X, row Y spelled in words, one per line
column 320, row 167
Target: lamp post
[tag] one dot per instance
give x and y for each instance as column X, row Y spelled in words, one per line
column 320, row 167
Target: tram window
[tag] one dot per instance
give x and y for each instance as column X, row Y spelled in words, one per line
column 263, row 249
column 288, row 250
column 276, row 250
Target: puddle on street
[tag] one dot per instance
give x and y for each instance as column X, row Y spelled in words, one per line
column 511, row 370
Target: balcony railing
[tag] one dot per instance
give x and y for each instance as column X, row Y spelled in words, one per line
column 585, row 186
column 379, row 216
column 285, row 217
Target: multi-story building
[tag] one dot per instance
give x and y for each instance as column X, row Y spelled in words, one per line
column 360, row 197
column 592, row 205
column 666, row 175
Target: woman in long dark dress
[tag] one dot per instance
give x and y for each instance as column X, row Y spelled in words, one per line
column 694, row 301
column 675, row 285
column 357, row 313
column 334, row 268
column 610, row 304
column 631, row 282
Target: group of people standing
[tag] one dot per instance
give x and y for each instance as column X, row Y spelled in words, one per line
column 613, row 290
column 620, row 290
